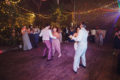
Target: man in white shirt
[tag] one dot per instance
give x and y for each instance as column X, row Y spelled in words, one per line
column 93, row 34
column 46, row 34
column 81, row 49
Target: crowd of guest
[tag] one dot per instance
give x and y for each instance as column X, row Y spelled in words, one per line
column 97, row 36
column 30, row 37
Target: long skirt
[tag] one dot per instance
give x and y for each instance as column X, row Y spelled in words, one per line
column 56, row 46
column 26, row 42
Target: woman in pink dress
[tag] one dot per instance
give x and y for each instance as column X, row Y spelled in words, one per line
column 56, row 42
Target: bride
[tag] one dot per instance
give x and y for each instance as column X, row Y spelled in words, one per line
column 75, row 35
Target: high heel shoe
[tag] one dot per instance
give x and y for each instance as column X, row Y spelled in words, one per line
column 59, row 55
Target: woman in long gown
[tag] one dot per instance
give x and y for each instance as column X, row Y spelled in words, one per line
column 26, row 41
column 56, row 42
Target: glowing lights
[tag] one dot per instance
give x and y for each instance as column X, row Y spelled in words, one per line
column 15, row 2
column 84, row 12
column 40, row 15
column 32, row 14
column 67, row 13
column 31, row 17
column 93, row 10
column 11, row 2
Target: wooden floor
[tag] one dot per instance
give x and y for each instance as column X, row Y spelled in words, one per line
column 28, row 65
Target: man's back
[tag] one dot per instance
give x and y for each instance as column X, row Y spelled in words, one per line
column 84, row 34
column 45, row 34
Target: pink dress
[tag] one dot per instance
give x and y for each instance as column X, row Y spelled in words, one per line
column 56, row 46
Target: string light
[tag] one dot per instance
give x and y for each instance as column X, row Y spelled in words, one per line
column 84, row 12
column 12, row 2
column 40, row 15
column 93, row 10
column 68, row 13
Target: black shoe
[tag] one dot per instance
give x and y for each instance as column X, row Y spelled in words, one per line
column 75, row 72
column 44, row 57
column 82, row 66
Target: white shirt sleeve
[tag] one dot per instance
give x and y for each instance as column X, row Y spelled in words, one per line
column 41, row 33
column 51, row 36
column 79, row 37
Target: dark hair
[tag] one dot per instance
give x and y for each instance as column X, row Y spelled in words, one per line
column 83, row 23
column 76, row 29
column 56, row 28
column 47, row 24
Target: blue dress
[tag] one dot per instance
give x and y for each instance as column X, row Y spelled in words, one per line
column 26, row 42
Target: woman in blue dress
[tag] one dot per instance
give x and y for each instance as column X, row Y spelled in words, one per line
column 26, row 41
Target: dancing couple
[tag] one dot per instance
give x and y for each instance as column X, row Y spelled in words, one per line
column 52, row 42
column 80, row 47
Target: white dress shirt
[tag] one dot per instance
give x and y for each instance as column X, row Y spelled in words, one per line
column 46, row 34
column 93, row 32
column 82, row 36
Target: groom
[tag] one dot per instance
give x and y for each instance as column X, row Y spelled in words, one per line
column 46, row 34
column 82, row 47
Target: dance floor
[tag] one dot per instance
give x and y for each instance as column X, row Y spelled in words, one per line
column 28, row 65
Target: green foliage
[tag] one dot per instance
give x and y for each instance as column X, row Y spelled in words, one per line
column 59, row 17
column 12, row 17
